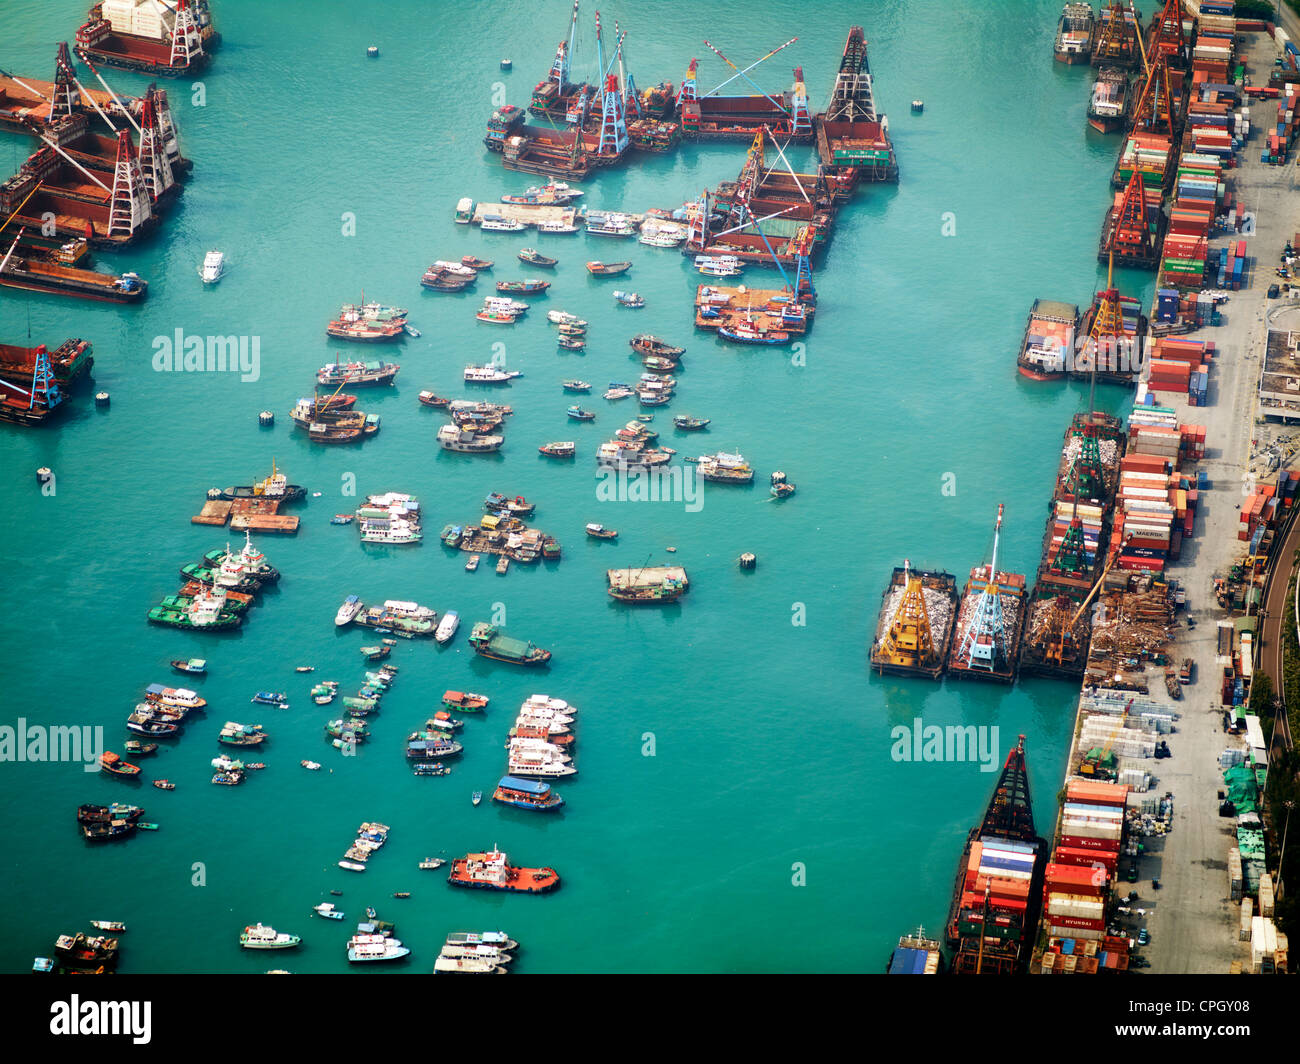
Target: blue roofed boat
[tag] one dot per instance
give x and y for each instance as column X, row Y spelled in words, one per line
column 526, row 794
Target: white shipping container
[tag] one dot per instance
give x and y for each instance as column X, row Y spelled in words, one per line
column 1087, row 933
column 1246, row 917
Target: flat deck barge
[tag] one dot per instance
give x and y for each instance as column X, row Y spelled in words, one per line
column 767, row 308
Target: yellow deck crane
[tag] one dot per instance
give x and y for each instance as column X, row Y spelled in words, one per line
column 909, row 641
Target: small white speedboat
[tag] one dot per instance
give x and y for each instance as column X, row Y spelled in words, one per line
column 213, row 268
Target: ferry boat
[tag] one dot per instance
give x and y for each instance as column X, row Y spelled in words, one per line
column 537, row 759
column 447, row 627
column 259, row 936
column 492, row 871
column 563, row 317
column 181, row 697
column 535, row 258
column 618, row 225
column 489, row 375
column 465, row 441
column 352, row 605
column 196, row 666
column 1074, row 34
column 607, row 269
column 724, row 468
column 526, row 794
column 489, row 641
column 213, row 268
column 466, row 966
column 629, row 299
column 556, row 227
column 564, row 449
column 499, row 939
column 375, row 948
column 495, row 224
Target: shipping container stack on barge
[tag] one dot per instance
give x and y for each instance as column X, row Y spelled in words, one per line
column 990, row 621
column 852, row 139
column 915, row 627
column 149, row 37
column 997, row 896
column 710, row 116
column 1047, row 347
column 1074, row 34
column 1058, row 625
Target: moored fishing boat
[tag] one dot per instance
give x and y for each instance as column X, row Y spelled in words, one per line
column 571, row 343
column 278, row 699
column 476, row 264
column 357, row 373
column 651, row 585
column 576, row 413
column 327, row 910
column 690, row 424
column 561, row 317
column 530, row 287
column 135, row 746
column 430, row 399
column 112, row 763
column 630, row 299
column 607, row 269
column 535, row 258
column 601, row 532
column 466, row 701
column 190, row 665
column 649, row 344
column 1074, row 34
column 563, row 449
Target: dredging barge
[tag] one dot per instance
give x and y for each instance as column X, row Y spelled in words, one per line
column 852, row 138
column 915, row 627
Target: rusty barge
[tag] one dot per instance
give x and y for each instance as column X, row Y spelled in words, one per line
column 852, row 138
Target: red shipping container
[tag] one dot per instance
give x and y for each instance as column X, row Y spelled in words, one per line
column 1075, row 921
column 1071, row 879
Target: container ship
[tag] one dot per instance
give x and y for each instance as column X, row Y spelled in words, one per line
column 916, row 955
column 1074, row 34
column 990, row 621
column 1108, row 108
column 914, row 630
column 1047, row 347
column 997, row 896
column 852, row 139
column 136, row 35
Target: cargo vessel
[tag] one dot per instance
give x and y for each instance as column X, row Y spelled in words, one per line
column 711, row 116
column 648, row 584
column 34, row 269
column 915, row 627
column 492, row 871
column 1108, row 107
column 1074, row 34
column 916, row 955
column 35, row 403
column 69, row 362
column 135, row 35
column 997, row 895
column 990, row 621
column 1113, row 332
column 490, row 641
column 1114, row 38
column 852, row 138
column 1047, row 347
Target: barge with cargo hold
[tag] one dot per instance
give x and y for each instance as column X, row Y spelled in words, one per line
column 997, row 895
column 914, row 630
column 852, row 138
column 1047, row 347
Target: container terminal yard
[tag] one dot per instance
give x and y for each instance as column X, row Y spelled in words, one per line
column 1155, row 613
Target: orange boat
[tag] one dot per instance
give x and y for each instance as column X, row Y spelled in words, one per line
column 492, row 871
column 466, row 701
column 110, row 762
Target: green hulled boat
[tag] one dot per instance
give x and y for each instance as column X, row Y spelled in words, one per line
column 247, row 585
column 490, row 641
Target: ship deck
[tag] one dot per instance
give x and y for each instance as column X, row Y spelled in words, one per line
column 936, row 580
column 747, row 304
column 526, row 213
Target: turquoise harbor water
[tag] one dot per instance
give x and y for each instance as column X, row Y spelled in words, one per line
column 772, row 741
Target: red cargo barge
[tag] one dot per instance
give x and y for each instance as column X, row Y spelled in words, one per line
column 852, row 139
column 69, row 362
column 492, row 871
column 998, row 892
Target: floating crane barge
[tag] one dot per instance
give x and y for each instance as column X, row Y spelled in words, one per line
column 990, row 621
column 915, row 626
column 710, row 116
column 852, row 139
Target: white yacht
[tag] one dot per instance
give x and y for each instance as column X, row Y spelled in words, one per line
column 213, row 268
